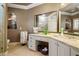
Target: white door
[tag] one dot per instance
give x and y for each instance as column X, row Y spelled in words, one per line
column 52, row 47
column 63, row 50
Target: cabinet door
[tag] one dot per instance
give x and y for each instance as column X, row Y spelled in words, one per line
column 74, row 52
column 63, row 50
column 52, row 47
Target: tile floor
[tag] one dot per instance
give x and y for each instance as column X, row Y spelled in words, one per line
column 22, row 51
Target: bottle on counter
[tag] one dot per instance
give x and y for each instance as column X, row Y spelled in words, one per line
column 62, row 31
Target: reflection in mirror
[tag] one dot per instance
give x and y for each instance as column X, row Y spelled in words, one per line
column 76, row 24
column 48, row 20
column 66, row 23
column 70, row 18
column 41, row 21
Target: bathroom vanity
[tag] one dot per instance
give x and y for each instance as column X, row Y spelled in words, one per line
column 66, row 45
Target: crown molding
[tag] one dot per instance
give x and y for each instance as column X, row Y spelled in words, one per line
column 71, row 14
column 24, row 7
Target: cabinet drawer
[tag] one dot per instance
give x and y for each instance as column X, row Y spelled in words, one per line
column 32, row 42
column 33, row 47
column 40, row 38
column 31, row 37
column 45, row 39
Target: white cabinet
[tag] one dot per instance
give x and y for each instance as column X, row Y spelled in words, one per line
column 63, row 49
column 32, row 43
column 52, row 47
column 74, row 52
column 58, row 49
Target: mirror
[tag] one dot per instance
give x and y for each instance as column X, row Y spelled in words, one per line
column 48, row 20
column 12, row 21
column 41, row 21
column 70, row 18
column 76, row 24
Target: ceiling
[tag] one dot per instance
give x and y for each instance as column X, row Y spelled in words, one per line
column 71, row 8
column 23, row 5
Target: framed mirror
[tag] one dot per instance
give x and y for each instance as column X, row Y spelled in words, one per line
column 70, row 19
column 48, row 20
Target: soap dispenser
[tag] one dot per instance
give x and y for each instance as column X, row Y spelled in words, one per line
column 62, row 31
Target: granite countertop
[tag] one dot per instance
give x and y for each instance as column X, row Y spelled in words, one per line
column 67, row 39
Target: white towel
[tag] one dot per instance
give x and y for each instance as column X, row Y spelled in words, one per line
column 23, row 37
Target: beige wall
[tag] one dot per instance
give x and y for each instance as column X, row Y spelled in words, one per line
column 26, row 18
column 48, row 7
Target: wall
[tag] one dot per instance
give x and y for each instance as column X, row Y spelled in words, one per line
column 21, row 17
column 21, row 20
column 48, row 7
column 26, row 18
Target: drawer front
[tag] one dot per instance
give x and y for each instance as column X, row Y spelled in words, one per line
column 32, row 42
column 31, row 37
column 40, row 38
column 33, row 47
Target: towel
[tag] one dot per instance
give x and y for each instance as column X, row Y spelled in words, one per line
column 23, row 37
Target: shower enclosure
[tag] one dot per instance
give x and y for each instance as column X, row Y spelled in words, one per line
column 3, row 31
